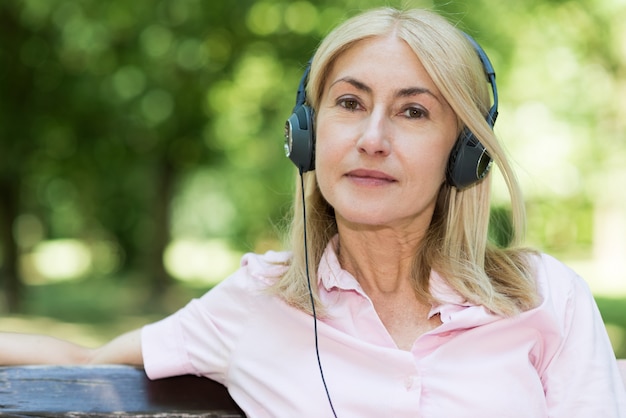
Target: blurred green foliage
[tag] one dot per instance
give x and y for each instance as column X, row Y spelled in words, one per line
column 128, row 124
column 94, row 311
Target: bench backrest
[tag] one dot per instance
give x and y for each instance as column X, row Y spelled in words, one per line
column 111, row 390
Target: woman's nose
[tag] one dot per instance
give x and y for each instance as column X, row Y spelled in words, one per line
column 374, row 140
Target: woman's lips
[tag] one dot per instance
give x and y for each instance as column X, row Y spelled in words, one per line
column 371, row 177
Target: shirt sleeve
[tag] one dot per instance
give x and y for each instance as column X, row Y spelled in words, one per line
column 582, row 379
column 199, row 338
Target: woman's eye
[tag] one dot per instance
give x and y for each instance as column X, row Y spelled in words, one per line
column 350, row 104
column 415, row 113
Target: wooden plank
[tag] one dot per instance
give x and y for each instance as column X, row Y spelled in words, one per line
column 120, row 391
column 64, row 391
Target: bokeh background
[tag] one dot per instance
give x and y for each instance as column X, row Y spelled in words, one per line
column 141, row 144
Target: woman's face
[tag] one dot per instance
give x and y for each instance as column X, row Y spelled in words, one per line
column 383, row 137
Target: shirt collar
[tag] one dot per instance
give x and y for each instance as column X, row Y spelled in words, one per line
column 453, row 309
column 451, row 306
column 330, row 275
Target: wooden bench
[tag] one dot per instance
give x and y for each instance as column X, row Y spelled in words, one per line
column 120, row 391
column 100, row 391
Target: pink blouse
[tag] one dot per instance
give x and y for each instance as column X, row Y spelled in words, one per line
column 552, row 361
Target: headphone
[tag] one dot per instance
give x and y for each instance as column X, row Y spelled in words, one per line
column 468, row 163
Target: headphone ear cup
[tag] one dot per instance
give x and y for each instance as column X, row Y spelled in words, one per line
column 300, row 138
column 469, row 161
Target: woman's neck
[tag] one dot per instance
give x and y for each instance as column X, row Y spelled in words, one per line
column 382, row 260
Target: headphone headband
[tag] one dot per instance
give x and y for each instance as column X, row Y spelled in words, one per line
column 491, row 79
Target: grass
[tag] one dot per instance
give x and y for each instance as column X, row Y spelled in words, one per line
column 93, row 311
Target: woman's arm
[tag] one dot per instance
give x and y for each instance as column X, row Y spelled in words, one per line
column 125, row 349
column 16, row 349
column 583, row 379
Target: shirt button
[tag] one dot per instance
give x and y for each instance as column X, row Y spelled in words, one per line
column 408, row 382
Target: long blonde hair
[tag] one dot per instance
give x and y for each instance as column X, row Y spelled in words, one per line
column 456, row 244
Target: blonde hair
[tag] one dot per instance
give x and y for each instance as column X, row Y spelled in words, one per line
column 456, row 245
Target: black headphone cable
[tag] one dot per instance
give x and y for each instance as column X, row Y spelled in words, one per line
column 308, row 278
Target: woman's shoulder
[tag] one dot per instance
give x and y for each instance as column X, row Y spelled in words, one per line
column 557, row 282
column 267, row 266
column 549, row 267
column 256, row 273
column 259, row 270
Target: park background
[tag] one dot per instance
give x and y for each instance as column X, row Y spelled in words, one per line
column 141, row 145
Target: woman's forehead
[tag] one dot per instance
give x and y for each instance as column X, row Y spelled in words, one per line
column 387, row 59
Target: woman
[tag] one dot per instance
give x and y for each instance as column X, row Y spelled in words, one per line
column 414, row 313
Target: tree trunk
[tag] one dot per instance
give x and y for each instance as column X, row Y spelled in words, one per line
column 160, row 279
column 9, row 270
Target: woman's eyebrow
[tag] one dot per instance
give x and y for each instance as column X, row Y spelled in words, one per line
column 354, row 82
column 414, row 91
column 406, row 92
